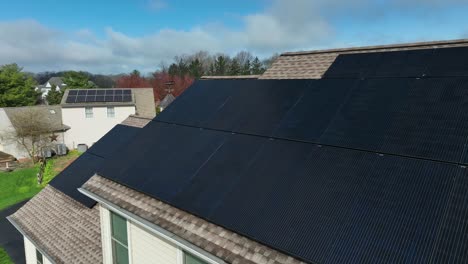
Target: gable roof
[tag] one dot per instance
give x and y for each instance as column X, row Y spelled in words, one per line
column 142, row 99
column 168, row 99
column 325, row 171
column 50, row 115
column 313, row 64
column 57, row 81
column 56, row 220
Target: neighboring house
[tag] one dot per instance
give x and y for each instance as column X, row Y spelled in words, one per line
column 59, row 224
column 52, row 115
column 45, row 88
column 168, row 99
column 360, row 169
column 91, row 113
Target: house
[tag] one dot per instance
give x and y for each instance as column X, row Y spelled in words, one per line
column 57, row 228
column 91, row 113
column 45, row 88
column 365, row 165
column 168, row 99
column 10, row 122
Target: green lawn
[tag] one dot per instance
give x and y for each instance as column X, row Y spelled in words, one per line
column 4, row 258
column 21, row 184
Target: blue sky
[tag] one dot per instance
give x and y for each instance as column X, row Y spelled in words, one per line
column 117, row 36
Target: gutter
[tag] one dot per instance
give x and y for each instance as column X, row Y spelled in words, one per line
column 157, row 230
column 44, row 253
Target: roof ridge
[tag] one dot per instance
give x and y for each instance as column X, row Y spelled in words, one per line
column 380, row 47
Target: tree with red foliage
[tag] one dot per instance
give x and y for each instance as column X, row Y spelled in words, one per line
column 133, row 80
column 178, row 84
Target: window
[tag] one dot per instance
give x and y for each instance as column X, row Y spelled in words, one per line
column 89, row 112
column 189, row 259
column 119, row 239
column 39, row 257
column 110, row 111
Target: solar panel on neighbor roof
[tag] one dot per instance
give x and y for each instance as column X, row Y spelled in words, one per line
column 103, row 95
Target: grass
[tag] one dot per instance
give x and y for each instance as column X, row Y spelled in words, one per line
column 21, row 184
column 4, row 258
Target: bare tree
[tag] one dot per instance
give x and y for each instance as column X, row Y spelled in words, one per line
column 243, row 57
column 31, row 131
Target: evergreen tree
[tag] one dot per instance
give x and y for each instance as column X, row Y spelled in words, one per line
column 257, row 67
column 212, row 69
column 234, row 68
column 246, row 68
column 74, row 79
column 16, row 88
column 220, row 65
column 173, row 70
column 196, row 69
column 54, row 96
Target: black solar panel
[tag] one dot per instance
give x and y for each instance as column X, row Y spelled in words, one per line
column 449, row 62
column 375, row 115
column 75, row 175
column 99, row 95
column 127, row 98
column 71, row 99
column 334, row 206
column 82, row 92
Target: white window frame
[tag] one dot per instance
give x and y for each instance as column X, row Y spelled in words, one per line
column 110, row 112
column 89, row 112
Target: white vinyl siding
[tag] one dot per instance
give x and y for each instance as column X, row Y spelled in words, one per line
column 30, row 253
column 106, row 236
column 147, row 248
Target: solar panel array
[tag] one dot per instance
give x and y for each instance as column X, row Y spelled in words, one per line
column 98, row 95
column 363, row 167
column 445, row 62
column 376, row 115
column 78, row 172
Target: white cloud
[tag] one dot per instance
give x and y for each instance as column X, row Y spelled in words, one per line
column 284, row 25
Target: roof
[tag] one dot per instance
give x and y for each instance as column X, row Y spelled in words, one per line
column 49, row 114
column 345, row 169
column 313, row 64
column 230, row 77
column 59, row 224
column 216, row 240
column 168, row 99
column 5, row 157
column 57, row 81
column 142, row 99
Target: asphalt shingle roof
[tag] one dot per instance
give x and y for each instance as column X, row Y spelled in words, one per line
column 313, row 64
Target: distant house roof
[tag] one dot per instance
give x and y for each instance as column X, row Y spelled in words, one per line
column 57, row 81
column 141, row 98
column 67, row 230
column 228, row 77
column 51, row 114
column 168, row 99
column 313, row 64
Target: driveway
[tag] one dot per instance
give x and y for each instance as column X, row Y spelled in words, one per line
column 10, row 239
